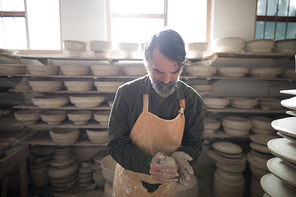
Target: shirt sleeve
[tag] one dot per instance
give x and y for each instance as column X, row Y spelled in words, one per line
column 120, row 147
column 193, row 138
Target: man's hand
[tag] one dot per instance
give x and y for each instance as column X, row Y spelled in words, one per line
column 162, row 173
column 185, row 169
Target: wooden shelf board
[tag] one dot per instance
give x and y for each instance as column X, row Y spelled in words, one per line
column 67, row 107
column 237, row 110
column 252, row 55
column 62, row 92
column 43, row 138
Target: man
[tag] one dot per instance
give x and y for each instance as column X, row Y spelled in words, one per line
column 152, row 117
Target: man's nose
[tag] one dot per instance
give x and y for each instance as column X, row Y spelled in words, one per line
column 166, row 78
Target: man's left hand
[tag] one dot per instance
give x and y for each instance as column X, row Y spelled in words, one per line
column 185, row 169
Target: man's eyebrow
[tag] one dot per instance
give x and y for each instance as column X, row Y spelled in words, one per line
column 163, row 72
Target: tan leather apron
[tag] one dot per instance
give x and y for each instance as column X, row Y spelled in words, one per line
column 151, row 134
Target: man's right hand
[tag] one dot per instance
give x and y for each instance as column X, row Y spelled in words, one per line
column 162, row 173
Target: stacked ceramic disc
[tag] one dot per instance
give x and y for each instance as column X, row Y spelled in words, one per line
column 281, row 181
column 84, row 175
column 38, row 171
column 230, row 162
column 62, row 171
column 97, row 168
column 257, row 158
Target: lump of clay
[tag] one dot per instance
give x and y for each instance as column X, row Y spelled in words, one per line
column 170, row 162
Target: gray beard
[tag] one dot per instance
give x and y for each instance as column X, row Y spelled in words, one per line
column 164, row 91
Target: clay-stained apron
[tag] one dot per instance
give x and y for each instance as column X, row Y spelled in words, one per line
column 151, row 134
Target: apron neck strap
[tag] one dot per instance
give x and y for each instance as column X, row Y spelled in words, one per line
column 145, row 102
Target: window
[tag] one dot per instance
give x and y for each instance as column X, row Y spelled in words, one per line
column 276, row 19
column 136, row 21
column 30, row 24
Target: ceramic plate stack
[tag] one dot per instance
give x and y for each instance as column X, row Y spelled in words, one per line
column 230, row 162
column 283, row 166
column 257, row 159
column 84, row 175
column 62, row 171
column 38, row 171
column 97, row 169
column 262, row 125
column 236, row 126
column 243, row 103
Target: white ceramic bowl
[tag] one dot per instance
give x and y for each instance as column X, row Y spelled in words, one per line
column 43, row 70
column 105, row 70
column 270, row 72
column 216, row 103
column 87, row 101
column 12, row 69
column 79, row 86
column 102, row 117
column 97, row 136
column 50, row 101
column 45, row 86
column 27, row 117
column 75, row 70
column 259, row 46
column 100, row 45
column 53, row 117
column 64, row 137
column 233, row 71
column 200, row 71
column 108, row 166
column 234, row 122
column 229, row 44
column 107, row 87
column 243, row 103
column 80, row 117
column 211, row 125
column 74, row 45
column 203, row 88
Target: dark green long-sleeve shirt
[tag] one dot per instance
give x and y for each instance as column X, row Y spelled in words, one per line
column 127, row 107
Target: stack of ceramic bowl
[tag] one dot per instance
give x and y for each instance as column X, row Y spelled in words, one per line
column 190, row 190
column 62, row 171
column 261, row 125
column 84, row 175
column 243, row 103
column 229, row 44
column 97, row 136
column 270, row 103
column 211, row 125
column 86, row 101
column 236, row 126
column 270, row 72
column 105, row 70
column 45, row 86
column 132, row 68
column 107, row 87
column 79, row 117
column 285, row 46
column 64, row 137
column 257, row 159
column 48, row 102
column 44, row 70
column 79, row 86
column 236, row 72
column 200, row 71
column 198, row 49
column 97, row 169
column 102, row 117
column 100, row 48
column 75, row 48
column 39, row 173
column 230, row 162
column 108, row 168
column 215, row 102
column 259, row 46
column 53, row 117
column 75, row 70
column 27, row 117
column 10, row 69
column 128, row 49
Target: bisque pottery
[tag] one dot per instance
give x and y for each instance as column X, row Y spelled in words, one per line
column 211, row 125
column 244, row 103
column 74, row 45
column 9, row 69
column 285, row 46
column 271, row 72
column 134, row 70
column 97, row 135
column 236, row 122
column 200, row 71
column 87, row 101
column 107, row 87
column 259, row 46
column 80, row 117
column 53, row 117
column 270, row 103
column 105, row 70
column 74, row 70
column 79, row 86
column 229, row 44
column 261, row 122
column 108, row 168
column 28, row 117
column 216, row 102
column 102, row 117
column 60, row 173
column 45, row 86
column 233, row 71
column 64, row 137
column 100, row 45
column 47, row 102
column 43, row 70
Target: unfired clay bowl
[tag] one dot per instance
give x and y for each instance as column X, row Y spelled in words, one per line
column 80, row 117
column 97, row 136
column 75, row 70
column 229, row 44
column 233, row 71
column 134, row 70
column 270, row 103
column 271, row 72
column 259, row 46
column 45, row 86
column 236, row 122
column 199, row 46
column 27, row 117
column 12, row 69
column 53, row 117
column 285, row 46
column 87, row 101
column 105, row 70
column 210, row 125
column 43, row 70
column 262, row 122
column 216, row 103
column 79, row 86
column 47, row 102
column 74, row 45
column 108, row 166
column 102, row 117
column 100, row 45
column 64, row 137
column 107, row 87
column 243, row 103
column 200, row 71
